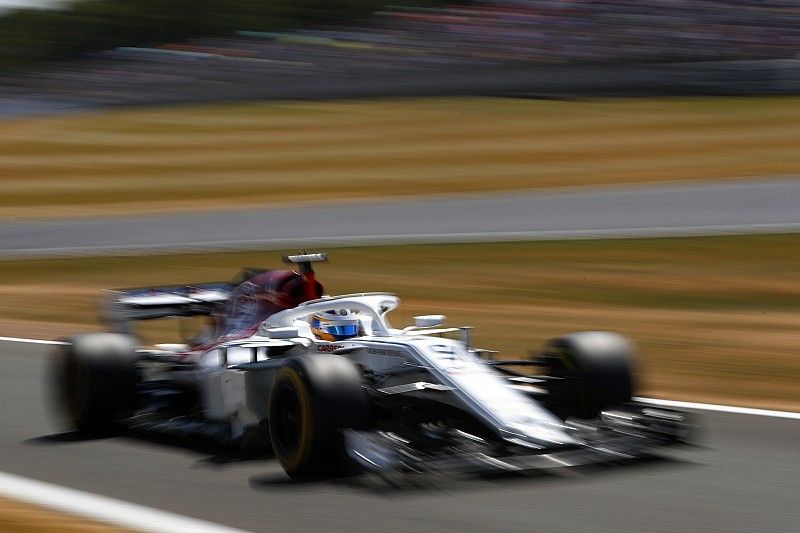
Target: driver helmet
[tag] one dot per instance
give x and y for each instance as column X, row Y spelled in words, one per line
column 335, row 325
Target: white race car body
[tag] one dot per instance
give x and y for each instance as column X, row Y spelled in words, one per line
column 421, row 398
column 513, row 415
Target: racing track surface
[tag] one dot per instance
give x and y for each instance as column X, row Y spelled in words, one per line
column 744, row 479
column 655, row 210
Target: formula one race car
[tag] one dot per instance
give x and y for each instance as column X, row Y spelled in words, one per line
column 327, row 383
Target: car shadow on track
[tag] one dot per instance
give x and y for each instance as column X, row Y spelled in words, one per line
column 64, row 437
column 398, row 485
column 212, row 453
column 389, row 485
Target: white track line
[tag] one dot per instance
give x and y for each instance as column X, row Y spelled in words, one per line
column 654, row 401
column 102, row 508
column 29, row 341
column 721, row 408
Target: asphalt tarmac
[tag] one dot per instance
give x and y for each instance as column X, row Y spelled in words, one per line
column 744, row 477
column 749, row 206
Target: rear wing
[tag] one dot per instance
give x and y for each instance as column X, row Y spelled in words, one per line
column 125, row 305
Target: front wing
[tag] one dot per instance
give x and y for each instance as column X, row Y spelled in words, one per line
column 630, row 432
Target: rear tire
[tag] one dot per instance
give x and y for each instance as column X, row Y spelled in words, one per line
column 594, row 370
column 313, row 398
column 95, row 379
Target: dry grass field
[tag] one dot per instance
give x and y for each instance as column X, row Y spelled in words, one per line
column 212, row 156
column 715, row 319
column 18, row 517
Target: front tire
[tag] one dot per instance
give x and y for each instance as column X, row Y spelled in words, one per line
column 592, row 371
column 312, row 399
column 94, row 380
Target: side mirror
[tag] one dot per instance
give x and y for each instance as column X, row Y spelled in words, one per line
column 429, row 321
column 283, row 333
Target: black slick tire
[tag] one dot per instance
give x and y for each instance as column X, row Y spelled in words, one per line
column 94, row 379
column 593, row 371
column 313, row 398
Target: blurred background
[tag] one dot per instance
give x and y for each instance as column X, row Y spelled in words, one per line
column 498, row 96
column 117, row 113
column 139, row 51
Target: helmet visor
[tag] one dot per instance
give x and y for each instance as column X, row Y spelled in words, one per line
column 344, row 330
